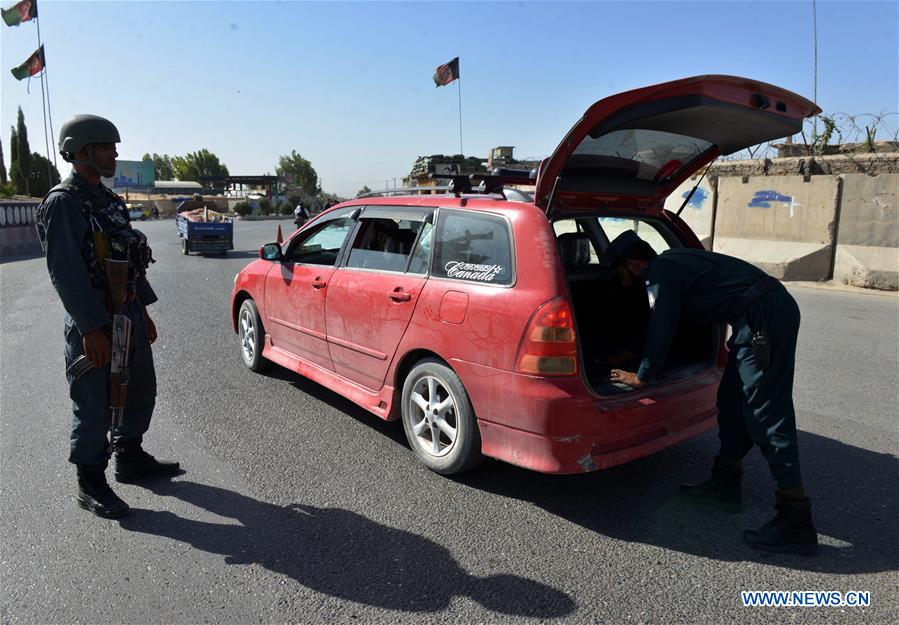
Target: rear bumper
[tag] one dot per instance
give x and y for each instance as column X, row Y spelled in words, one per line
column 554, row 425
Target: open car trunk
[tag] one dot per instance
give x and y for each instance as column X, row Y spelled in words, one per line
column 611, row 328
column 611, row 320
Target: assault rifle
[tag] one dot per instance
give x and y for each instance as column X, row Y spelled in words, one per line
column 117, row 285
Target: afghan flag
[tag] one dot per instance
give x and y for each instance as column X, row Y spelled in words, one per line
column 32, row 66
column 22, row 12
column 446, row 73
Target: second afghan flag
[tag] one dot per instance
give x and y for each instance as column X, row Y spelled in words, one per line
column 446, row 73
column 32, row 66
column 20, row 12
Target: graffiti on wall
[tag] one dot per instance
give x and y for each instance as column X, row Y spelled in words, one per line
column 769, row 197
column 698, row 199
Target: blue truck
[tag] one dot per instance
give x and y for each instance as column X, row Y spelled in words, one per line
column 204, row 230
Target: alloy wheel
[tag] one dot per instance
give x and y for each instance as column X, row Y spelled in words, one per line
column 432, row 416
column 247, row 335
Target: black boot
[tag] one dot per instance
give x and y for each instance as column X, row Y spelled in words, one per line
column 722, row 490
column 790, row 531
column 95, row 495
column 132, row 464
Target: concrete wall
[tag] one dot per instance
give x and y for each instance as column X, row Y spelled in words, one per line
column 17, row 232
column 699, row 211
column 867, row 252
column 783, row 224
column 871, row 164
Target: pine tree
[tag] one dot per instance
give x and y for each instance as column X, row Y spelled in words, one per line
column 3, row 179
column 24, row 153
column 39, row 182
column 15, row 176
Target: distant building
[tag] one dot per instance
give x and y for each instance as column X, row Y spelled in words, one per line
column 132, row 175
column 502, row 156
column 177, row 187
column 438, row 169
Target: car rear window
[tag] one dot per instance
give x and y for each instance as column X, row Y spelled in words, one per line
column 650, row 155
column 471, row 246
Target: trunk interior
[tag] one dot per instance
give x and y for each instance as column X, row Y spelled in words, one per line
column 611, row 324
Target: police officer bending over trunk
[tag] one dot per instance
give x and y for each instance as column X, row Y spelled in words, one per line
column 81, row 223
column 755, row 398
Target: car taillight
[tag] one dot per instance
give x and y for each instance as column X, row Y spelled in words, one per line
column 549, row 346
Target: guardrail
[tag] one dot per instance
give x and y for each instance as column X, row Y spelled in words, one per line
column 17, row 213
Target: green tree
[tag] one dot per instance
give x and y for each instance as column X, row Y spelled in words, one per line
column 300, row 170
column 24, row 153
column 40, row 169
column 363, row 191
column 243, row 208
column 162, row 164
column 3, row 179
column 194, row 165
column 15, row 177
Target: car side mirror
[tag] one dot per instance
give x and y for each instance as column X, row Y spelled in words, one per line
column 271, row 251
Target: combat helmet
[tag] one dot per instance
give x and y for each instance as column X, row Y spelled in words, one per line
column 83, row 130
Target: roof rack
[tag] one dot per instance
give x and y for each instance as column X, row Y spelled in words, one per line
column 405, row 191
column 488, row 184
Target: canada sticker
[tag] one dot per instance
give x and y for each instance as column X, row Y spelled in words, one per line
column 471, row 271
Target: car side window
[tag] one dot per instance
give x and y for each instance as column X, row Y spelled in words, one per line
column 473, row 246
column 422, row 253
column 574, row 243
column 322, row 246
column 383, row 243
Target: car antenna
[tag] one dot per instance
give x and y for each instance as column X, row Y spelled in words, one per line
column 693, row 190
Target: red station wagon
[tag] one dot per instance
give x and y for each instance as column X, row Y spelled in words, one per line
column 490, row 325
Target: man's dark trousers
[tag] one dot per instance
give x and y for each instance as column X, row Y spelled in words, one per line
column 755, row 406
column 90, row 395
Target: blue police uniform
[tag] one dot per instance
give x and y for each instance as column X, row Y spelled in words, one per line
column 69, row 215
column 755, row 404
column 755, row 397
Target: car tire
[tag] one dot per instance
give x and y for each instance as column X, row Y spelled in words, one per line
column 184, row 249
column 457, row 448
column 252, row 336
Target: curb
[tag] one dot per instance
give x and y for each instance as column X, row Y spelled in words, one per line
column 839, row 287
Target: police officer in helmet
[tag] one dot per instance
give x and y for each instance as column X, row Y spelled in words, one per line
column 755, row 398
column 81, row 223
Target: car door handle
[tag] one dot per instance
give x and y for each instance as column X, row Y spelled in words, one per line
column 318, row 283
column 399, row 296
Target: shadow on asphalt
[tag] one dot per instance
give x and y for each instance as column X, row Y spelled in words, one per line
column 855, row 504
column 231, row 254
column 853, row 490
column 392, row 430
column 11, row 258
column 340, row 553
column 254, row 254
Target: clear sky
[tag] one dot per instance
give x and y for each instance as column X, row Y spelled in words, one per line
column 348, row 85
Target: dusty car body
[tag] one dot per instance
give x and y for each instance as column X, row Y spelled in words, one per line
column 489, row 326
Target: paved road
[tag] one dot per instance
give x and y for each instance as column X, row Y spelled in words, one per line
column 299, row 507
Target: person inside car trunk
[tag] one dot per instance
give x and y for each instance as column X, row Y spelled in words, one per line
column 755, row 398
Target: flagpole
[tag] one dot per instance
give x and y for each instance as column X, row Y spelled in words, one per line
column 45, row 79
column 44, row 106
column 459, row 85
